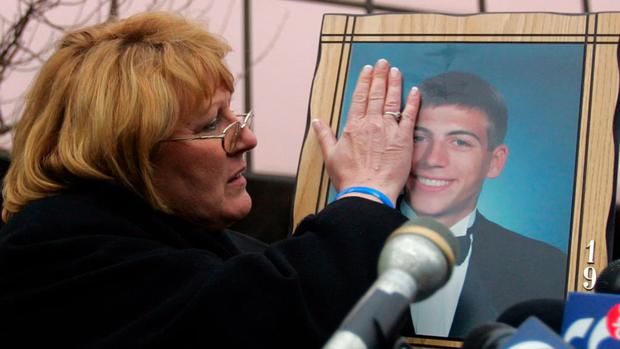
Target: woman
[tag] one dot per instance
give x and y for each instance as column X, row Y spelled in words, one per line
column 127, row 168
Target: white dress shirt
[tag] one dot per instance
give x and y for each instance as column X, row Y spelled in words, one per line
column 434, row 315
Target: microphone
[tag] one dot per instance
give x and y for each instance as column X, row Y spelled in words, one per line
column 513, row 320
column 417, row 260
column 549, row 311
column 573, row 319
column 534, row 334
column 609, row 279
column 592, row 320
column 488, row 336
column 531, row 334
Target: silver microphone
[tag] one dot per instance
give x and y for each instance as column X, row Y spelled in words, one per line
column 416, row 261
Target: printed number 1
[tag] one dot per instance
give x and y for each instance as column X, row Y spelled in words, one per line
column 589, row 273
column 590, row 248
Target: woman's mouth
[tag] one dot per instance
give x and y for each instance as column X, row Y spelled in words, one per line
column 238, row 179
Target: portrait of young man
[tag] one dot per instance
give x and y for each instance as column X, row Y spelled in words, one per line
column 459, row 144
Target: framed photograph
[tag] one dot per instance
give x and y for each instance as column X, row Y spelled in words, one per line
column 514, row 148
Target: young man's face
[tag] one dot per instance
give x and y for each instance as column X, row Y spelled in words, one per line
column 450, row 161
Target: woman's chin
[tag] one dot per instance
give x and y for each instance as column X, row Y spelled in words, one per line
column 237, row 209
column 245, row 206
column 221, row 216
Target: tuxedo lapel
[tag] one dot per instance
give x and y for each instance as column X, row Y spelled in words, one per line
column 475, row 304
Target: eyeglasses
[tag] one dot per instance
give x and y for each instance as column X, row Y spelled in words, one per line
column 230, row 135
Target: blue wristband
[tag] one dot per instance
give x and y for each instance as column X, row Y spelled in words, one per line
column 367, row 190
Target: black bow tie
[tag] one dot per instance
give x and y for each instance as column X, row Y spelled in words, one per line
column 464, row 246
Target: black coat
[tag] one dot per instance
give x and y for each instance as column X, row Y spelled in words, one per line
column 96, row 267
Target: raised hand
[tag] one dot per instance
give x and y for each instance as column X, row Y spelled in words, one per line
column 376, row 146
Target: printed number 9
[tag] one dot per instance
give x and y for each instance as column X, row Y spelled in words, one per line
column 589, row 273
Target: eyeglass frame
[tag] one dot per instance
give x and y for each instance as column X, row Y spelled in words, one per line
column 247, row 119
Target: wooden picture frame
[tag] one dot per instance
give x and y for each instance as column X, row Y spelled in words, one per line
column 553, row 64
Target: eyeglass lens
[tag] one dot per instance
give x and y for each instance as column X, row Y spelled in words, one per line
column 231, row 134
column 231, row 137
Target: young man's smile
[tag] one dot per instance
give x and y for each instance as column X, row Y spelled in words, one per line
column 450, row 162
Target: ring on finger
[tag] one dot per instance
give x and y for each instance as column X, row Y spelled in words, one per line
column 395, row 114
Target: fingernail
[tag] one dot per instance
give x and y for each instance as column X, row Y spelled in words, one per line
column 394, row 72
column 382, row 63
column 316, row 124
column 367, row 67
column 414, row 90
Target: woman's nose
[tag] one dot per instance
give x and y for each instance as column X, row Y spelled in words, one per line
column 247, row 140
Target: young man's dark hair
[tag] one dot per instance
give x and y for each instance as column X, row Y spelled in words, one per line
column 468, row 90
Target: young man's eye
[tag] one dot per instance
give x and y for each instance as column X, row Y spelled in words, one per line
column 462, row 143
column 418, row 138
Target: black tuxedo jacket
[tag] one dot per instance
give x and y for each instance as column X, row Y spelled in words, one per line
column 505, row 268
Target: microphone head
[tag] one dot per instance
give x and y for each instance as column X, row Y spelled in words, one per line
column 424, row 249
column 609, row 279
column 549, row 311
column 488, row 336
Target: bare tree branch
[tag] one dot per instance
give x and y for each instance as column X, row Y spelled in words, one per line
column 18, row 51
column 202, row 13
column 22, row 44
column 270, row 45
column 231, row 5
column 9, row 46
column 182, row 8
column 154, row 6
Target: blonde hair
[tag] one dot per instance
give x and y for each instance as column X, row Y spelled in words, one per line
column 105, row 99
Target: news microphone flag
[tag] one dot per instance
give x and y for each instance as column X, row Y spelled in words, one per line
column 534, row 334
column 592, row 321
